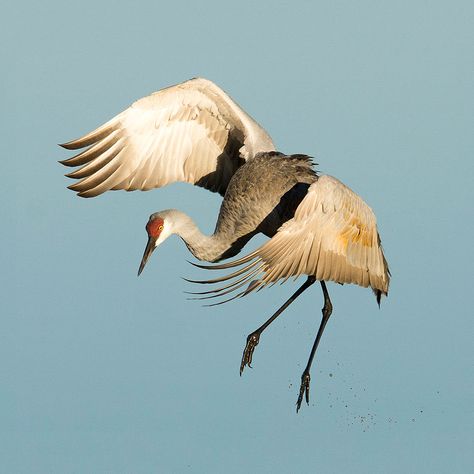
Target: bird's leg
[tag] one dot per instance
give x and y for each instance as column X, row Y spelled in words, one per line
column 305, row 377
column 254, row 337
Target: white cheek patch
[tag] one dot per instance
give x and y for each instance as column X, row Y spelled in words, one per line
column 165, row 233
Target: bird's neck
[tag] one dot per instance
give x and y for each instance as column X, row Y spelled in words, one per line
column 204, row 247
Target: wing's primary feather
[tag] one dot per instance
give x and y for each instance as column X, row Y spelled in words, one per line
column 192, row 132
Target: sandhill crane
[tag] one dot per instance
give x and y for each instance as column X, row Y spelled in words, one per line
column 194, row 132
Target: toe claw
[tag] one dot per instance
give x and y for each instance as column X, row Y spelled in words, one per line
column 252, row 341
column 304, row 390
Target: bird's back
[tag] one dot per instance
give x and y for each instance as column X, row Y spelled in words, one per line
column 262, row 194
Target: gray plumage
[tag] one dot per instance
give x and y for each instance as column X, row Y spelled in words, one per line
column 252, row 201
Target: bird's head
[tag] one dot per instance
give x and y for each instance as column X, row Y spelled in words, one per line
column 158, row 228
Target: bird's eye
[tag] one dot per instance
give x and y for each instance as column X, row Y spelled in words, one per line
column 160, row 228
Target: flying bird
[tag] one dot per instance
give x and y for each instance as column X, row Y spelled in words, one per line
column 194, row 132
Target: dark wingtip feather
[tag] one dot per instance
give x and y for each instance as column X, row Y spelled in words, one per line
column 378, row 295
column 202, row 282
column 223, row 266
column 72, row 145
column 64, row 145
column 72, row 187
column 198, row 265
column 222, row 302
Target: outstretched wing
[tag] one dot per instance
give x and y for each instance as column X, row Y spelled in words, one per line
column 192, row 132
column 333, row 236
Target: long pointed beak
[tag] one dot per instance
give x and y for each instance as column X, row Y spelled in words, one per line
column 150, row 246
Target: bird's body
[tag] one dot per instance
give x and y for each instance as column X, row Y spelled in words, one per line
column 251, row 203
column 195, row 132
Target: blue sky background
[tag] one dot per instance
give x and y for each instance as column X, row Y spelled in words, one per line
column 104, row 372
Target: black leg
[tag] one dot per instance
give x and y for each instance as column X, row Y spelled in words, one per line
column 305, row 378
column 254, row 337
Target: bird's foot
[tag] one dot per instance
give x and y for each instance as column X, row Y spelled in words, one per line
column 304, row 390
column 252, row 341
